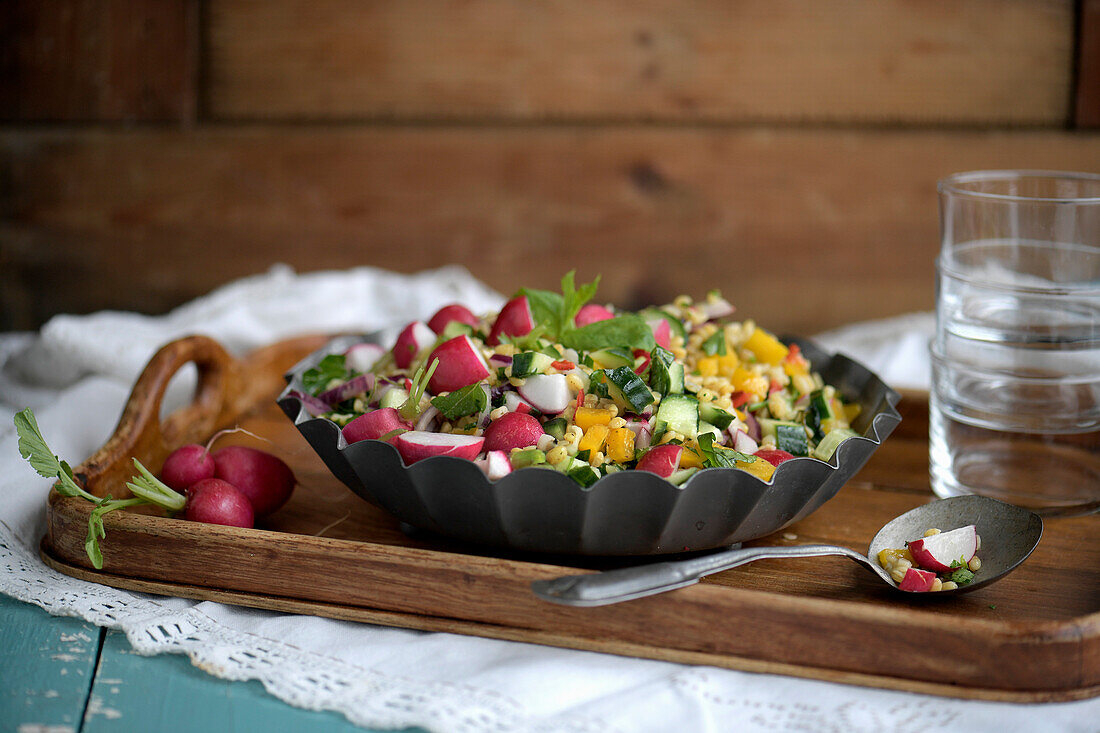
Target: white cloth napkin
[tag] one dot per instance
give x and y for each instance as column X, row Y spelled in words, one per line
column 77, row 372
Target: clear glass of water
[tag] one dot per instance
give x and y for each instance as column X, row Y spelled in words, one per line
column 1015, row 395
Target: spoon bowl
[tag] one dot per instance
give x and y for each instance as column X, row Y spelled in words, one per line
column 1009, row 535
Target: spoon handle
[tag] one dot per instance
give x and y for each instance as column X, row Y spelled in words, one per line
column 624, row 584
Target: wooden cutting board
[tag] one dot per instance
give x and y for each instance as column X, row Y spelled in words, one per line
column 1034, row 636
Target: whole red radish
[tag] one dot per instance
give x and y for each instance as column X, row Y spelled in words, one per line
column 460, row 364
column 263, row 478
column 512, row 430
column 373, row 425
column 661, row 459
column 449, row 313
column 214, row 501
column 773, row 456
column 186, row 465
column 514, row 319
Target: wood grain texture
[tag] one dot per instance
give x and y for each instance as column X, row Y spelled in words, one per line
column 981, row 61
column 98, row 60
column 1087, row 102
column 1033, row 636
column 802, row 229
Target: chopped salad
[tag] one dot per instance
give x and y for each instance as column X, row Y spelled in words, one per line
column 556, row 381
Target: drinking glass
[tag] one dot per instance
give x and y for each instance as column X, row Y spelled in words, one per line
column 1015, row 396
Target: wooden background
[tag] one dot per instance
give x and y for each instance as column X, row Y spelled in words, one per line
column 783, row 151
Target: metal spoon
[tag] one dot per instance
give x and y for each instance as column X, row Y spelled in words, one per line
column 1009, row 534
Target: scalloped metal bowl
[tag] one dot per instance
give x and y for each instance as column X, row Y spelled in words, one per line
column 626, row 513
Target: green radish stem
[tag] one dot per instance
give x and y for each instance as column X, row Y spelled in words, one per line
column 410, row 410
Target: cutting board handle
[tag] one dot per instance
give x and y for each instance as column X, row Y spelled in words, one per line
column 143, row 435
column 222, row 395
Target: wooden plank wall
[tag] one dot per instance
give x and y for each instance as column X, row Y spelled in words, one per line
column 785, row 152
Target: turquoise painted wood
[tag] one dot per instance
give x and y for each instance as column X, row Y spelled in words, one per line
column 66, row 676
column 167, row 693
column 46, row 668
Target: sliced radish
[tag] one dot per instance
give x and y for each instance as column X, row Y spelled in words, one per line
column 715, row 308
column 939, row 551
column 662, row 332
column 515, row 403
column 374, row 425
column 495, row 464
column 514, row 319
column 361, row 357
column 917, row 581
column 417, row 445
column 549, row 393
column 592, row 313
column 449, row 313
column 661, row 459
column 460, row 364
column 773, row 456
column 743, row 443
column 411, row 341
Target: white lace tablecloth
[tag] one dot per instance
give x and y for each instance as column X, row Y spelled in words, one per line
column 76, row 374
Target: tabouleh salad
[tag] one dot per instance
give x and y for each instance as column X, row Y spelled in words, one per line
column 558, row 382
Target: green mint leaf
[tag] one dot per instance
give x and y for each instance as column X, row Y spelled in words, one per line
column 555, row 312
column 715, row 456
column 962, row 576
column 716, row 344
column 573, row 300
column 629, row 331
column 530, row 341
column 468, row 400
column 317, row 379
column 546, row 308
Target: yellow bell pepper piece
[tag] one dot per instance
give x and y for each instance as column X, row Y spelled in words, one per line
column 851, row 412
column 691, row 458
column 796, row 368
column 586, row 417
column 759, row 467
column 766, row 347
column 707, row 366
column 728, row 363
column 620, row 445
column 747, row 381
column 593, row 438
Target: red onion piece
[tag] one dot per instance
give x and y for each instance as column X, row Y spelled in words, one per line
column 352, row 388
